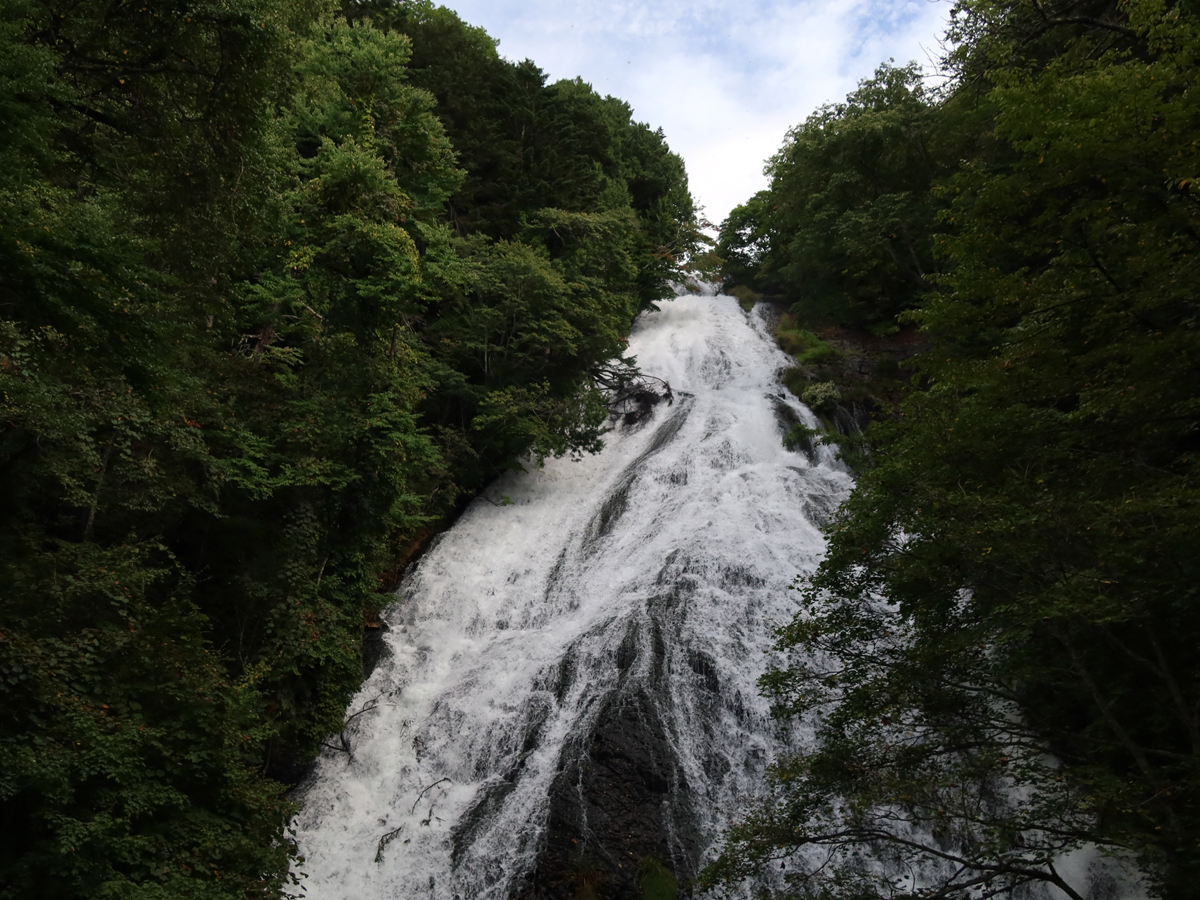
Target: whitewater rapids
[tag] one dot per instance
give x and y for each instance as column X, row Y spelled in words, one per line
column 664, row 561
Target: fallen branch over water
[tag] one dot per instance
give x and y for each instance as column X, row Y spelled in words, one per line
column 630, row 393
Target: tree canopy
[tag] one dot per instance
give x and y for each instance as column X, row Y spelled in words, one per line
column 844, row 227
column 280, row 283
column 999, row 650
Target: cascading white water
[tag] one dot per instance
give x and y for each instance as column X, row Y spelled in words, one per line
column 658, row 566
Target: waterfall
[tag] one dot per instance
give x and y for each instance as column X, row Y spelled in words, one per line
column 570, row 677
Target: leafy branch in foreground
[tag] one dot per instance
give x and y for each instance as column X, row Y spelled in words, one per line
column 925, row 780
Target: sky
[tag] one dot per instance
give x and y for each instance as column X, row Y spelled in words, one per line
column 724, row 79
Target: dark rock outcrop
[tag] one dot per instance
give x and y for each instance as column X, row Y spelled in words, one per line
column 618, row 806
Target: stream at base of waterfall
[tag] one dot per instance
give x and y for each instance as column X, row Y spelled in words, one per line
column 568, row 688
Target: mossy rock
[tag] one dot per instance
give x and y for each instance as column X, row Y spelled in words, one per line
column 746, row 296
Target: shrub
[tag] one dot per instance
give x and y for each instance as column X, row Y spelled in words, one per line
column 821, row 397
column 819, row 354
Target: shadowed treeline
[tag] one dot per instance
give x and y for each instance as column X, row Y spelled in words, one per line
column 279, row 284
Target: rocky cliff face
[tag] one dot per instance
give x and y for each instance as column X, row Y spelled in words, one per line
column 619, row 811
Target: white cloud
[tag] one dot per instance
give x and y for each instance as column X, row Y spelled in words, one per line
column 724, row 79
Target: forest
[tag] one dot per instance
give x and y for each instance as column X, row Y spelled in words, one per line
column 1000, row 646
column 282, row 283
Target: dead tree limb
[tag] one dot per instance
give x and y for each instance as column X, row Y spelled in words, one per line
column 384, row 841
column 629, row 393
column 423, row 793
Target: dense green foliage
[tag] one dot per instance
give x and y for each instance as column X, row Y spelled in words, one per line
column 1000, row 650
column 527, row 145
column 844, row 228
column 268, row 308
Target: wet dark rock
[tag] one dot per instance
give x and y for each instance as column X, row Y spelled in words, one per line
column 785, row 416
column 374, row 647
column 787, row 419
column 850, row 419
column 612, row 509
column 618, row 801
column 704, row 666
column 627, row 651
column 487, row 804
